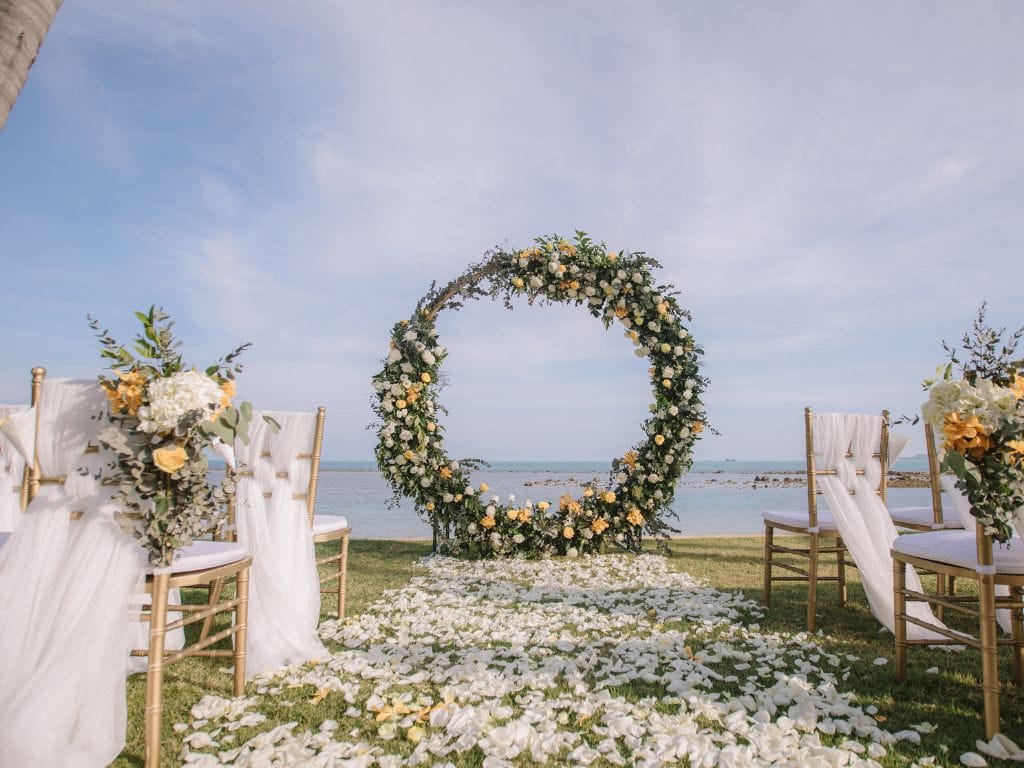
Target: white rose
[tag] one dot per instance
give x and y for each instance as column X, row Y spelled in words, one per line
column 519, row 538
column 405, row 435
column 668, row 373
column 394, row 356
column 673, row 410
column 448, row 498
column 471, row 528
column 428, row 357
column 536, row 282
column 410, row 336
column 678, row 351
column 406, row 367
column 620, row 478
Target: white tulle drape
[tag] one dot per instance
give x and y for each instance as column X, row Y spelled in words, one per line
column 64, row 592
column 284, row 591
column 11, row 467
column 963, row 511
column 862, row 518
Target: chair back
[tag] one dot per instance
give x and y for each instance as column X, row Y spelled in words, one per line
column 933, row 475
column 817, row 467
column 292, row 454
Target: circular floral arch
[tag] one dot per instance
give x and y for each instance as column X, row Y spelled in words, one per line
column 616, row 287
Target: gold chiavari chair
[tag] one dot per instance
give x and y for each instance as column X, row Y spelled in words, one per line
column 201, row 564
column 966, row 555
column 327, row 528
column 931, row 517
column 818, row 526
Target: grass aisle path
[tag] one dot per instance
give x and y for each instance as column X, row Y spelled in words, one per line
column 610, row 661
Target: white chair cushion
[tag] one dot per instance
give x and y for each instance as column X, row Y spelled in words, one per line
column 800, row 520
column 924, row 516
column 201, row 555
column 958, row 548
column 328, row 523
column 4, row 536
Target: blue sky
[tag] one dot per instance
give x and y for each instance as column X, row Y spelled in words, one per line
column 834, row 188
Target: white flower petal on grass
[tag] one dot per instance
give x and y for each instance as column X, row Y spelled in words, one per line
column 526, row 660
column 973, row 760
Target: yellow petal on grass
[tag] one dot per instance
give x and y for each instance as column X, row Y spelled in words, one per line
column 319, row 696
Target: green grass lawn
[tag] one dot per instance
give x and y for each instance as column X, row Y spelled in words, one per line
column 950, row 700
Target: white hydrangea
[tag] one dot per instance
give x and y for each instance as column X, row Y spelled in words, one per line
column 173, row 397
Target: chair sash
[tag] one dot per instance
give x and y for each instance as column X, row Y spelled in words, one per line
column 64, row 592
column 963, row 511
column 861, row 517
column 12, row 466
column 284, row 591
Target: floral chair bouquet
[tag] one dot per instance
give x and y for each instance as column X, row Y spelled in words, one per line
column 164, row 415
column 980, row 417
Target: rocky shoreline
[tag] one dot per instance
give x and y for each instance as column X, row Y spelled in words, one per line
column 777, row 479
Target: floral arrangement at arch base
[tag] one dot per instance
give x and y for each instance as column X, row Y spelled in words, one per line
column 615, row 287
column 164, row 415
column 980, row 418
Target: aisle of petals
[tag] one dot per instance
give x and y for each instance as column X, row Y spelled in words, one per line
column 603, row 661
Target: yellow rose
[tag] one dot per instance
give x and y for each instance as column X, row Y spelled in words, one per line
column 1017, row 449
column 609, row 497
column 659, row 439
column 666, row 383
column 170, row 460
column 488, row 522
column 543, row 505
column 409, row 455
column 513, row 514
column 400, row 404
column 1017, row 387
column 430, row 506
column 445, row 472
column 458, row 497
column 431, row 426
column 484, row 487
column 635, row 517
column 613, row 257
column 634, row 336
column 228, row 393
column 568, row 532
column 588, row 492
column 425, row 378
column 599, row 525
column 697, row 427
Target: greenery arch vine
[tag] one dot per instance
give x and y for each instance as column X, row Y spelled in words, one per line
column 615, row 287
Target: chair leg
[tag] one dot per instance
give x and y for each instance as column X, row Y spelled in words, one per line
column 155, row 669
column 241, row 628
column 940, row 590
column 989, row 659
column 342, row 575
column 812, row 582
column 1017, row 632
column 841, row 570
column 769, row 543
column 216, row 589
column 899, row 586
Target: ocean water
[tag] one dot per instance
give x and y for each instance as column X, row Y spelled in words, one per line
column 715, row 497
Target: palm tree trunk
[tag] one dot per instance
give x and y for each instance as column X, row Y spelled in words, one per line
column 23, row 25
